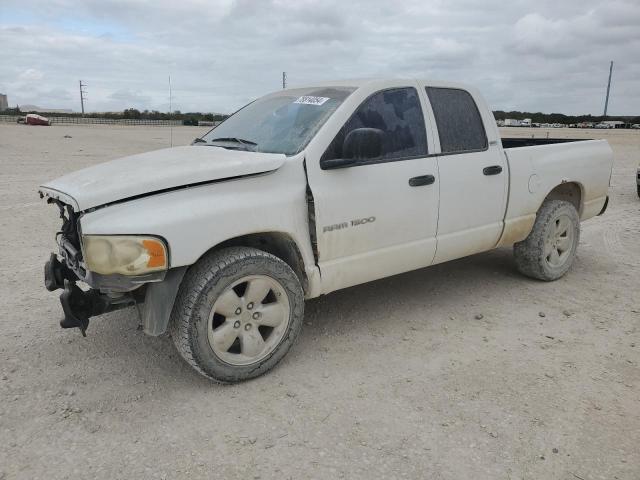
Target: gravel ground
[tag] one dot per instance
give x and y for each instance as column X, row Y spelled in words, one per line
column 399, row 378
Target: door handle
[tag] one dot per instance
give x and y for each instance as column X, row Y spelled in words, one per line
column 492, row 170
column 422, row 180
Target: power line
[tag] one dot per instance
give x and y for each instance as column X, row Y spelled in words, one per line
column 83, row 94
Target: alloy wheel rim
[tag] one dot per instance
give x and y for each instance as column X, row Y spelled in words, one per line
column 559, row 241
column 248, row 320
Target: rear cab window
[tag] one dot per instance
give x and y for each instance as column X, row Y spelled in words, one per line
column 458, row 120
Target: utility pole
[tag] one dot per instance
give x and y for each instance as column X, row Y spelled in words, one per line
column 170, row 115
column 606, row 102
column 82, row 96
column 284, row 80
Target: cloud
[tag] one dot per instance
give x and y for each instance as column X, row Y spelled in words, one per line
column 543, row 56
column 130, row 97
column 30, row 75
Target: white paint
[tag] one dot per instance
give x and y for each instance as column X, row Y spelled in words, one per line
column 463, row 212
column 587, row 163
column 158, row 170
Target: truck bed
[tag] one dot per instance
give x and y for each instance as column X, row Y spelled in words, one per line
column 515, row 142
column 543, row 165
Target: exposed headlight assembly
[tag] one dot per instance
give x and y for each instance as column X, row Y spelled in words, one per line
column 124, row 254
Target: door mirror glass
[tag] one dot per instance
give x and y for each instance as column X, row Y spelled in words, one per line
column 363, row 144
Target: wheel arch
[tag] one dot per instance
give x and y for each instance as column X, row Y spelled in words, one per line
column 517, row 229
column 279, row 244
column 572, row 192
column 160, row 297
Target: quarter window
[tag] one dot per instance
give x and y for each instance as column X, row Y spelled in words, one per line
column 397, row 113
column 459, row 123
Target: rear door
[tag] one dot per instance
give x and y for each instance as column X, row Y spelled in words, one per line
column 379, row 217
column 473, row 174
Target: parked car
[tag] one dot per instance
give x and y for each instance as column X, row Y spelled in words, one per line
column 603, row 125
column 303, row 192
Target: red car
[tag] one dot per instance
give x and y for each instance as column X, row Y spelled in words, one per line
column 33, row 119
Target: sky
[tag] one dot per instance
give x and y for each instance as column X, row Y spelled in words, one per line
column 542, row 55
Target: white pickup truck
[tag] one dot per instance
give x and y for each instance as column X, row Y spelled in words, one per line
column 303, row 192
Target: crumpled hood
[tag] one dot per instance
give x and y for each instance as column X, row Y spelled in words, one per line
column 155, row 172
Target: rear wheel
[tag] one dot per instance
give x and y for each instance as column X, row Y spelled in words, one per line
column 548, row 252
column 238, row 312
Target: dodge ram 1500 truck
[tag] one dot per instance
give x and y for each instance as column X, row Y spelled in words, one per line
column 303, row 192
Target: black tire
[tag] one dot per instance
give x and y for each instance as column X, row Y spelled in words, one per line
column 530, row 254
column 204, row 282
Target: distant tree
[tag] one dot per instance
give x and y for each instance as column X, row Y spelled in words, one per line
column 192, row 120
column 131, row 113
column 539, row 117
column 12, row 111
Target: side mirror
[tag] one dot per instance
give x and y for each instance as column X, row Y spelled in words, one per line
column 359, row 144
column 363, row 144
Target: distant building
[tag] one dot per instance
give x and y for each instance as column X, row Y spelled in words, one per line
column 511, row 122
column 614, row 123
column 37, row 109
column 4, row 104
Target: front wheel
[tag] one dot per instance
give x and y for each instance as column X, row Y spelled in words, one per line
column 548, row 252
column 237, row 313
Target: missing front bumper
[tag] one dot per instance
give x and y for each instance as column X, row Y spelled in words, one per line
column 55, row 273
column 79, row 305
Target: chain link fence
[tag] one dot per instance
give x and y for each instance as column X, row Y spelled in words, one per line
column 98, row 121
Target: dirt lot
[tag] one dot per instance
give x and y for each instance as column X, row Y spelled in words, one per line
column 393, row 379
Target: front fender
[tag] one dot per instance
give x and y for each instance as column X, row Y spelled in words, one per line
column 193, row 220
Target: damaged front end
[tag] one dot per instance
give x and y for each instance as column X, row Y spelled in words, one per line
column 79, row 305
column 64, row 269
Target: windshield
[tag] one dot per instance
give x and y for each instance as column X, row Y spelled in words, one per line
column 282, row 122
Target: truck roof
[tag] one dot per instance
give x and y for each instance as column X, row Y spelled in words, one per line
column 381, row 82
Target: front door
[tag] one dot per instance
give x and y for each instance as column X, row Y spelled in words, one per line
column 378, row 217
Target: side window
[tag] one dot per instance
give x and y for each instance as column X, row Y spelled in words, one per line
column 459, row 123
column 398, row 114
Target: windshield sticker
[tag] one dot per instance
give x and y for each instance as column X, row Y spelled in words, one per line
column 309, row 100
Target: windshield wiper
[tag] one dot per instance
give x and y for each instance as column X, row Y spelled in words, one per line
column 240, row 141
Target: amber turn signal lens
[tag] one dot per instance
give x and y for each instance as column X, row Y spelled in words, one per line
column 156, row 252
